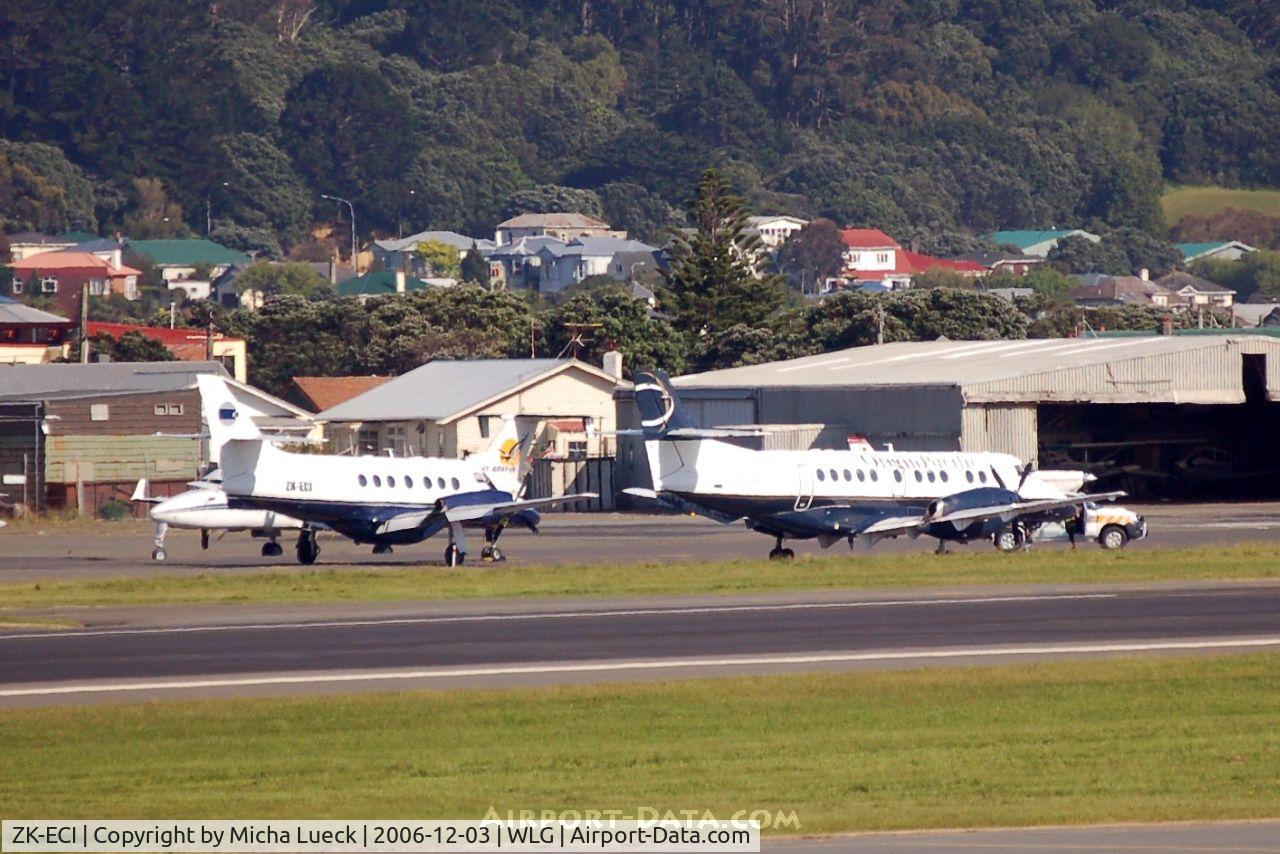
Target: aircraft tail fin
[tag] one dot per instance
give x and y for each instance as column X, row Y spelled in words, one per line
column 508, row 460
column 660, row 410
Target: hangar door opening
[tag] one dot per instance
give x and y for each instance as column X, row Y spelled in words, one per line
column 1174, row 451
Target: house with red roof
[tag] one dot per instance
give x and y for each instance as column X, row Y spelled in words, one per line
column 186, row 344
column 873, row 257
column 61, row 275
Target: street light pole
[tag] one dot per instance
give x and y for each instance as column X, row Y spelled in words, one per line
column 355, row 266
column 208, row 210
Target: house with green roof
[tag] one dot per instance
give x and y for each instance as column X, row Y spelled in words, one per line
column 1217, row 250
column 178, row 259
column 1038, row 243
column 381, row 284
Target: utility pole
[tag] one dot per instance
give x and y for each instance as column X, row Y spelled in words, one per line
column 355, row 264
column 84, row 323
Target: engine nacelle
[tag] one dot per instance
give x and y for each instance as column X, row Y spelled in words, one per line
column 971, row 499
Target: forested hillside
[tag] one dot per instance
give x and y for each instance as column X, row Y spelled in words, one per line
column 931, row 119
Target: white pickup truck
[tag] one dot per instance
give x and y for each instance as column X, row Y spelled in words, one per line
column 1110, row 526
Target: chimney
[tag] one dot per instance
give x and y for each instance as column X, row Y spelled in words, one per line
column 1144, row 274
column 613, row 364
column 116, row 260
column 399, row 281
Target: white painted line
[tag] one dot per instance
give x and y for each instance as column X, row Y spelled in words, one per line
column 652, row 664
column 553, row 615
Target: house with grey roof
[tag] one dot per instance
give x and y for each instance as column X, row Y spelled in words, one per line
column 1196, row 292
column 1099, row 289
column 569, row 263
column 519, row 265
column 454, row 408
column 400, row 253
column 562, row 226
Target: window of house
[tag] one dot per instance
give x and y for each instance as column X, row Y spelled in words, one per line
column 367, row 441
column 167, row 409
column 17, row 285
column 98, row 287
column 397, row 439
column 49, row 285
column 578, row 450
column 484, row 426
column 883, row 257
column 99, row 412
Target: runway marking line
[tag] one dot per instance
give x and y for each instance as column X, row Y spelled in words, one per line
column 652, row 664
column 551, row 615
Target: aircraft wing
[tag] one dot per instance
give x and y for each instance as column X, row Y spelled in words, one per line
column 1001, row 512
column 471, row 512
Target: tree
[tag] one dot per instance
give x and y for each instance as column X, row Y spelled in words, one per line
column 153, row 215
column 130, row 347
column 1255, row 277
column 278, row 279
column 552, row 198
column 713, row 282
column 440, row 258
column 813, row 254
column 645, row 340
column 41, row 191
column 1080, row 255
column 474, row 267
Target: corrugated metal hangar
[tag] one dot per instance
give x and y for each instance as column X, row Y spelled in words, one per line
column 1159, row 415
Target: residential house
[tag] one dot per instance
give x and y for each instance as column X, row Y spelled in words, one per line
column 1009, row 263
column 876, row 259
column 87, row 433
column 454, row 408
column 24, row 244
column 179, row 259
column 1099, row 289
column 61, row 275
column 316, row 394
column 565, row 264
column 562, row 226
column 519, row 264
column 385, row 283
column 187, row 344
column 775, row 230
column 1216, row 250
column 1038, row 243
column 1196, row 292
column 400, row 254
column 30, row 336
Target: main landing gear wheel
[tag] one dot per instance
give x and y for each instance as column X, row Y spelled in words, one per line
column 272, row 549
column 308, row 549
column 157, row 554
column 1009, row 539
column 1113, row 537
column 493, row 554
column 454, row 556
column 381, row 549
column 779, row 553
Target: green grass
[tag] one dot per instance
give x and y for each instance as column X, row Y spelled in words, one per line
column 1202, row 201
column 1065, row 742
column 976, row 566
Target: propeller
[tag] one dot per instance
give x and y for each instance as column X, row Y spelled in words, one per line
column 1024, row 473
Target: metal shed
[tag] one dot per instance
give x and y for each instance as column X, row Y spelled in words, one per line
column 1153, row 413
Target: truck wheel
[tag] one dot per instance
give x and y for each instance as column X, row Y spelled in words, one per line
column 1113, row 537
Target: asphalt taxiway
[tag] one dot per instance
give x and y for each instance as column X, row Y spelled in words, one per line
column 453, row 645
column 31, row 553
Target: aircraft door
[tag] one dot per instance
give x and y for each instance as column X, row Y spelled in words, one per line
column 804, row 487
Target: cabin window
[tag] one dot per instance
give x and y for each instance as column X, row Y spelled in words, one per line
column 968, row 476
column 440, row 482
column 455, row 483
column 408, row 482
column 848, row 475
column 377, row 481
column 861, row 476
column 834, row 475
column 897, row 475
column 362, row 480
column 821, row 475
column 931, row 477
column 943, row 475
column 391, row 480
column 982, row 476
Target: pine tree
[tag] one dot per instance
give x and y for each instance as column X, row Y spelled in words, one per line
column 720, row 275
column 475, row 268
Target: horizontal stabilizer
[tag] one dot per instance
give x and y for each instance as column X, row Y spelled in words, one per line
column 471, row 512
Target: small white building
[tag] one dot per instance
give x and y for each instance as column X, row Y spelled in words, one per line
column 1216, row 250
column 562, row 226
column 775, row 230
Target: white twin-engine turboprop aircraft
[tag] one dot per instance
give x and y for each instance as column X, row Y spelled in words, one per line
column 384, row 501
column 203, row 507
column 860, row 493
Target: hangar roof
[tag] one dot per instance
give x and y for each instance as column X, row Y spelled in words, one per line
column 1186, row 369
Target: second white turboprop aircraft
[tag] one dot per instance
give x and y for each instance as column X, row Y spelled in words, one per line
column 383, row 501
column 856, row 494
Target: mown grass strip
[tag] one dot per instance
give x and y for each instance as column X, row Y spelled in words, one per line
column 1202, row 201
column 1066, row 742
column 982, row 566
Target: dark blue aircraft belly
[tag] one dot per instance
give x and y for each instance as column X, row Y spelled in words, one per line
column 778, row 516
